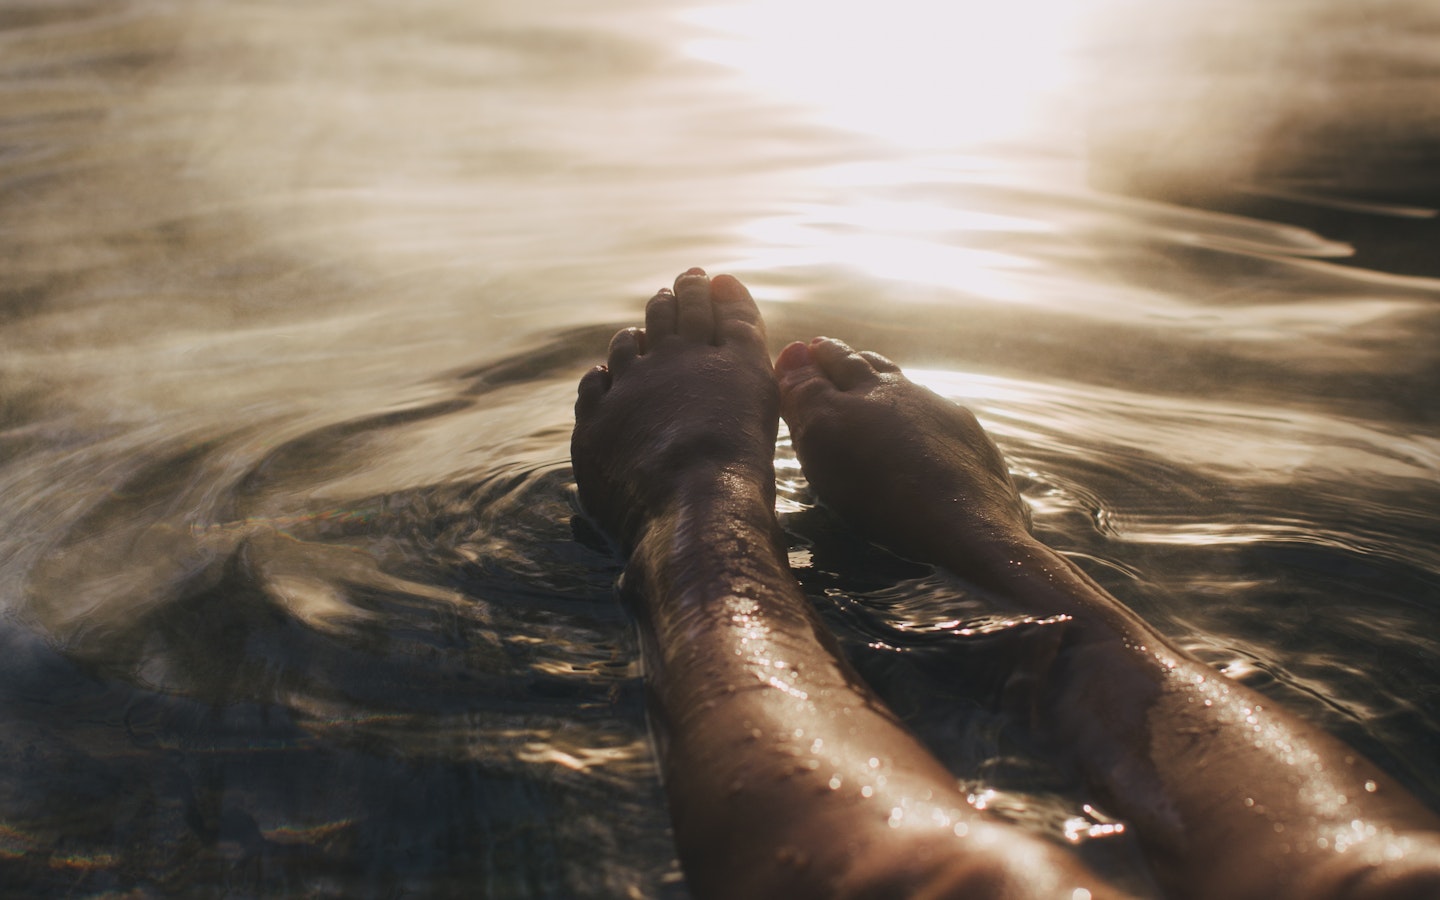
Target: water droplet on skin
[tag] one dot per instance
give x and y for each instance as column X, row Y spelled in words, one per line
column 867, row 791
column 834, row 782
column 813, row 764
column 874, row 763
column 1370, row 787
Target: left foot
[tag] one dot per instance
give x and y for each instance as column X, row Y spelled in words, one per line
column 684, row 407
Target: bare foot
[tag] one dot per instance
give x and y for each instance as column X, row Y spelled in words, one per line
column 1166, row 743
column 908, row 467
column 687, row 405
column 785, row 776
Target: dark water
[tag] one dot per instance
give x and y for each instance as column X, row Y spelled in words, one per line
column 293, row 297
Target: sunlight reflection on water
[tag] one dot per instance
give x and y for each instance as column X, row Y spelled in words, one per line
column 911, row 73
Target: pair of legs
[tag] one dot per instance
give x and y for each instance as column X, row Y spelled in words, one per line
column 788, row 778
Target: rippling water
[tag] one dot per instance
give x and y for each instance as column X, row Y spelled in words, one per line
column 293, row 302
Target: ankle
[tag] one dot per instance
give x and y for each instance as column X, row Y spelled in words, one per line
column 709, row 516
column 1043, row 582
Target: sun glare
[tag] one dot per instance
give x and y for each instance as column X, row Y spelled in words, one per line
column 919, row 242
column 939, row 89
column 918, row 73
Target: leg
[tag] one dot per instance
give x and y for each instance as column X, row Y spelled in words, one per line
column 786, row 777
column 1232, row 796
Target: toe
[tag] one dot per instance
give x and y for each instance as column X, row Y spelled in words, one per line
column 695, row 315
column 793, row 358
column 737, row 318
column 879, row 363
column 661, row 315
column 593, row 386
column 803, row 385
column 841, row 364
column 625, row 346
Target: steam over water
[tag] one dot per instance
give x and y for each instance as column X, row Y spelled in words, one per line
column 293, row 298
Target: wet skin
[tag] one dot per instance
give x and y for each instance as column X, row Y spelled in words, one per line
column 1231, row 796
column 786, row 777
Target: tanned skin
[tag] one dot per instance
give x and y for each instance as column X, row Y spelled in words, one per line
column 788, row 778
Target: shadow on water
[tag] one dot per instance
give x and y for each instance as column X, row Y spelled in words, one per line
column 1314, row 113
column 428, row 690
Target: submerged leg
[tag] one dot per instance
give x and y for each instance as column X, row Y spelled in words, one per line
column 786, row 777
column 1231, row 795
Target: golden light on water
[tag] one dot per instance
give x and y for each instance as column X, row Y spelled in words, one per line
column 916, row 241
column 933, row 88
column 916, row 73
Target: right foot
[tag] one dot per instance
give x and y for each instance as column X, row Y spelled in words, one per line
column 905, row 466
column 919, row 474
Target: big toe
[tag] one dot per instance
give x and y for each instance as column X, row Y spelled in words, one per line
column 737, row 317
column 717, row 311
column 805, row 389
